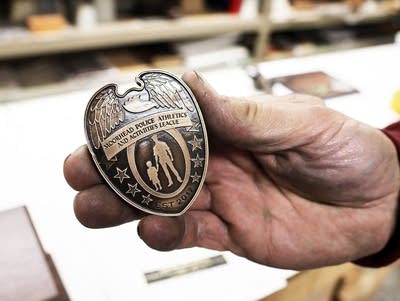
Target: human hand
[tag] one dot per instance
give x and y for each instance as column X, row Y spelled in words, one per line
column 290, row 184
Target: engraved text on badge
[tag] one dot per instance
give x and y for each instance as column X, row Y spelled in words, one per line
column 149, row 144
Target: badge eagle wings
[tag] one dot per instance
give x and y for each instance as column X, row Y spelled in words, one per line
column 107, row 110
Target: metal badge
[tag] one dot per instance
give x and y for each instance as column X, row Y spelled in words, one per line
column 149, row 144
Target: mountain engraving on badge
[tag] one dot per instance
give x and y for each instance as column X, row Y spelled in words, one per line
column 149, row 144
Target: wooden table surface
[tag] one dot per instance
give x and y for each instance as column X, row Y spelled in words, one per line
column 347, row 282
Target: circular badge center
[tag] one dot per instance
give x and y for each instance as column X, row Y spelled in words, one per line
column 164, row 165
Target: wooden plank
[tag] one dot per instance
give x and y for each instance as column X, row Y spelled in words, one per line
column 346, row 282
column 126, row 33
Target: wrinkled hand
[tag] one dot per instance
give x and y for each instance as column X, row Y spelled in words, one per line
column 290, row 184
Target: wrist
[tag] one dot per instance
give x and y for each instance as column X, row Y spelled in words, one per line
column 391, row 251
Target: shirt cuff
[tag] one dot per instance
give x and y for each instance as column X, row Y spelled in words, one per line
column 391, row 252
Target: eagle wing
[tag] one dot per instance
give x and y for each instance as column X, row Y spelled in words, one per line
column 166, row 92
column 105, row 113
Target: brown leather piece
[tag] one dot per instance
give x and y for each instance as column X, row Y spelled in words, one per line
column 26, row 271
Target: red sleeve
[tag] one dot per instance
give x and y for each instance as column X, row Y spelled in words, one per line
column 392, row 250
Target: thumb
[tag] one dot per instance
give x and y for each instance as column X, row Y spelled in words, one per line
column 252, row 123
column 226, row 117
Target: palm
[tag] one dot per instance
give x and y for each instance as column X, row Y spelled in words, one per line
column 272, row 225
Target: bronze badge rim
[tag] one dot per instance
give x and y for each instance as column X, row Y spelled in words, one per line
column 138, row 88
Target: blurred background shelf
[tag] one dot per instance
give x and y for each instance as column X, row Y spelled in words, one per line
column 133, row 32
column 37, row 59
column 126, row 33
column 320, row 21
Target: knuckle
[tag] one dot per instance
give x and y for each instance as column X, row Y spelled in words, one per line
column 251, row 111
column 252, row 114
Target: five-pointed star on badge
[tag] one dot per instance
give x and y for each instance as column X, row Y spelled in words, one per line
column 195, row 177
column 146, row 199
column 198, row 162
column 109, row 163
column 133, row 190
column 196, row 143
column 121, row 175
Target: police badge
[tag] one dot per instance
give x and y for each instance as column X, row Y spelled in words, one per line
column 149, row 144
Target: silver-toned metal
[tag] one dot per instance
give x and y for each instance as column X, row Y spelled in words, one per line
column 149, row 144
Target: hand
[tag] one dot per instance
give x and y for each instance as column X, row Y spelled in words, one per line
column 290, row 184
